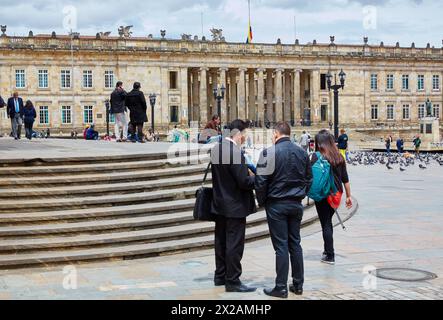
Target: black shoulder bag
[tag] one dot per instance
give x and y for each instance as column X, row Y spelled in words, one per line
column 203, row 203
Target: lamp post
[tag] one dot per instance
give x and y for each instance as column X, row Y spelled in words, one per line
column 336, row 87
column 219, row 95
column 152, row 100
column 108, row 111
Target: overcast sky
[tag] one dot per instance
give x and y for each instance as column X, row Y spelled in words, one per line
column 406, row 21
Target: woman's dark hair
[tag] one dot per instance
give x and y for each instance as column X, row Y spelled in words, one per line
column 29, row 104
column 325, row 144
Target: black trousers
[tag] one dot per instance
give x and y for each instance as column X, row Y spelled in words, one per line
column 284, row 219
column 325, row 213
column 137, row 128
column 28, row 128
column 229, row 248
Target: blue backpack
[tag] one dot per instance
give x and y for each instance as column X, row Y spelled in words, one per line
column 323, row 180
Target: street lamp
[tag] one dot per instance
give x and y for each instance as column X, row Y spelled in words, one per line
column 152, row 100
column 336, row 87
column 219, row 95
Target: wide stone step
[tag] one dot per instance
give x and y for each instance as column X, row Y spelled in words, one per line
column 18, row 217
column 161, row 195
column 157, row 234
column 96, row 225
column 129, row 250
column 86, row 179
column 115, row 188
column 93, row 167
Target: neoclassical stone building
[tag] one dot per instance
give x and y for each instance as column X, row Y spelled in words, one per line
column 69, row 80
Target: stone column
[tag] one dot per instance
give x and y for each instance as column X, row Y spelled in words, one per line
column 269, row 95
column 252, row 112
column 224, row 104
column 287, row 106
column 214, row 84
column 260, row 96
column 278, row 95
column 315, row 95
column 233, row 114
column 183, row 118
column 242, row 94
column 195, row 96
column 203, row 96
column 298, row 112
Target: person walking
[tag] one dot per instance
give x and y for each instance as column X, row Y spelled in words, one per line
column 304, row 141
column 29, row 115
column 118, row 109
column 417, row 144
column 326, row 148
column 15, row 112
column 233, row 201
column 283, row 179
column 136, row 103
column 400, row 145
column 342, row 143
column 388, row 145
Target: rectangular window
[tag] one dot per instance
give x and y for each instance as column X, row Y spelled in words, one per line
column 421, row 111
column 87, row 79
column 374, row 112
column 174, row 114
column 88, row 115
column 436, row 82
column 406, row 112
column 43, row 82
column 421, row 82
column 437, row 111
column 374, row 82
column 66, row 115
column 109, row 79
column 323, row 85
column 20, row 78
column 390, row 82
column 390, row 112
column 44, row 115
column 405, row 82
column 65, row 77
column 173, row 80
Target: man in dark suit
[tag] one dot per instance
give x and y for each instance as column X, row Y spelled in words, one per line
column 233, row 201
column 16, row 111
column 136, row 103
column 284, row 177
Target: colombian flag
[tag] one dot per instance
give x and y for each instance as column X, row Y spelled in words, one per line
column 250, row 37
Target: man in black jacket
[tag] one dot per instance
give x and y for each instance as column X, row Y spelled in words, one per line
column 284, row 176
column 233, row 201
column 118, row 109
column 136, row 103
column 16, row 111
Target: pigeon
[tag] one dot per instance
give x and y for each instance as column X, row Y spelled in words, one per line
column 422, row 166
column 402, row 169
column 389, row 167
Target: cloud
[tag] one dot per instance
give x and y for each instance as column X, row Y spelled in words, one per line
column 397, row 20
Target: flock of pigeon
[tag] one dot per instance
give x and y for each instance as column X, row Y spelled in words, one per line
column 403, row 160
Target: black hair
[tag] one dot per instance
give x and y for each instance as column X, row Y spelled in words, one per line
column 137, row 85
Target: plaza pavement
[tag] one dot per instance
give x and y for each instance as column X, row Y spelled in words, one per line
column 399, row 224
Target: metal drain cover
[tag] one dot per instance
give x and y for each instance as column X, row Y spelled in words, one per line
column 404, row 274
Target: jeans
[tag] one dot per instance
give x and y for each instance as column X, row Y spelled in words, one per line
column 138, row 127
column 121, row 126
column 325, row 213
column 17, row 123
column 28, row 128
column 284, row 220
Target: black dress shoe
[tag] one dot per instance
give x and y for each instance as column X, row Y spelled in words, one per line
column 241, row 288
column 296, row 290
column 277, row 293
column 219, row 282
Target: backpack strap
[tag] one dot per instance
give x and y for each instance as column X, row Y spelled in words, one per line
column 206, row 173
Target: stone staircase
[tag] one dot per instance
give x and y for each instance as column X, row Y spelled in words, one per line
column 68, row 210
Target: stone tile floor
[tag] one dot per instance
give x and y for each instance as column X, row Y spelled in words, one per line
column 399, row 224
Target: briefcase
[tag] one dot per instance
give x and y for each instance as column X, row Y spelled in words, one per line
column 203, row 202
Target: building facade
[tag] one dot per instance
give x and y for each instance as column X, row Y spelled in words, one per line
column 69, row 80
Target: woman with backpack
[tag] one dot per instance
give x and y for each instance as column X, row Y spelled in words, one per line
column 330, row 175
column 29, row 116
